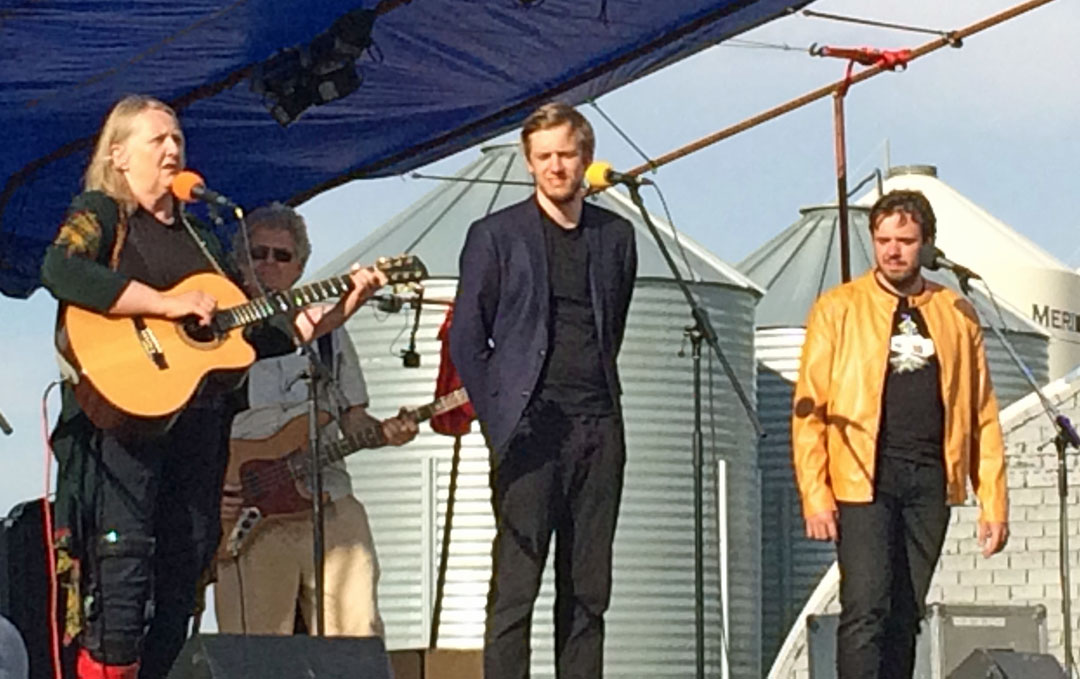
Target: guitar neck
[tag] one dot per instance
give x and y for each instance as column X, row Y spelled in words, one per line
column 372, row 437
column 281, row 302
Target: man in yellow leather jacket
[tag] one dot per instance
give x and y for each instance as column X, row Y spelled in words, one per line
column 893, row 412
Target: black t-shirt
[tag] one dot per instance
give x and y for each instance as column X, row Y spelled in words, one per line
column 161, row 255
column 912, row 415
column 158, row 254
column 573, row 375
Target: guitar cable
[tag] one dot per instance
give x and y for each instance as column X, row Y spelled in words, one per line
column 50, row 546
column 243, row 604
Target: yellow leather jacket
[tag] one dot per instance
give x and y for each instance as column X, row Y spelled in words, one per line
column 837, row 406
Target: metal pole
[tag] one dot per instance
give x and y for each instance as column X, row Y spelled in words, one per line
column 315, row 474
column 1060, row 443
column 841, row 184
column 699, row 514
column 444, row 555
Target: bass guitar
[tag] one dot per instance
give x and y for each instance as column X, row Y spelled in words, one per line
column 273, row 472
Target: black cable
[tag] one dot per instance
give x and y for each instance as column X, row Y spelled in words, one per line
column 758, row 44
column 243, row 604
column 675, row 235
column 621, row 133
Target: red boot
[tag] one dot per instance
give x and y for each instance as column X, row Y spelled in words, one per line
column 88, row 668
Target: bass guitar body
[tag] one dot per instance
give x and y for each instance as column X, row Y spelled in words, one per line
column 272, row 475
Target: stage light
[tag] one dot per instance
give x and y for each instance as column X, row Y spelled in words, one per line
column 324, row 70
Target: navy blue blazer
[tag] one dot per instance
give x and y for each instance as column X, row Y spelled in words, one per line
column 500, row 332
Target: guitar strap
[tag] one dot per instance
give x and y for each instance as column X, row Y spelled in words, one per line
column 324, row 349
column 200, row 242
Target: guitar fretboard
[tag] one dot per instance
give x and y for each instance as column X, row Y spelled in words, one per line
column 372, row 437
column 280, row 302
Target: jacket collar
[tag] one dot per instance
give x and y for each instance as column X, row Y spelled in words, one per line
column 868, row 282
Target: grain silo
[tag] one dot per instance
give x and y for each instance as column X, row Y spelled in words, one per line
column 795, row 267
column 650, row 625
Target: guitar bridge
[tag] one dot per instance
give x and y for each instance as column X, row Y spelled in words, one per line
column 149, row 342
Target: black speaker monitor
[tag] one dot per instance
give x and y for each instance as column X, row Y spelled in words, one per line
column 987, row 663
column 232, row 656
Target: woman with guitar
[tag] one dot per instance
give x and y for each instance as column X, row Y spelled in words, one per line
column 137, row 507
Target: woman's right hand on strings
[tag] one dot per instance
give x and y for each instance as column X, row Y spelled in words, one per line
column 192, row 303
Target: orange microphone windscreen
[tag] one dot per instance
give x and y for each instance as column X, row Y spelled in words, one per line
column 184, row 182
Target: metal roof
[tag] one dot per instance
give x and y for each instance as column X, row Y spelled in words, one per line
column 434, row 227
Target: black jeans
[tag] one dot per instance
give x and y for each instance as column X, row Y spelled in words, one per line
column 887, row 553
column 154, row 522
column 562, row 474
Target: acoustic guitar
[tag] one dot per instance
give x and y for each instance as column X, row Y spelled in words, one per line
column 273, row 472
column 142, row 370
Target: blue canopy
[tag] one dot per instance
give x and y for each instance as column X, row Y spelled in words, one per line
column 282, row 99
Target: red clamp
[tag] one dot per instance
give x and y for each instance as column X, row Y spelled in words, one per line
column 867, row 56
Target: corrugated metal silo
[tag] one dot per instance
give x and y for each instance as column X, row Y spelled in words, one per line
column 650, row 625
column 795, row 267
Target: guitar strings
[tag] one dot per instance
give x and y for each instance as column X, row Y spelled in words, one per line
column 283, row 472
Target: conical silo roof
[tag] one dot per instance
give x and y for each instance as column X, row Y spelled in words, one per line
column 965, row 231
column 803, row 261
column 434, row 227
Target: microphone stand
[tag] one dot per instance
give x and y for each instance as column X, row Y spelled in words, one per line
column 317, row 372
column 701, row 330
column 1064, row 437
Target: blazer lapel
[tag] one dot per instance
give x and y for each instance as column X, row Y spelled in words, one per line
column 538, row 256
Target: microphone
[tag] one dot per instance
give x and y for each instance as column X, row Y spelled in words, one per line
column 189, row 187
column 600, row 176
column 391, row 303
column 410, row 358
column 933, row 258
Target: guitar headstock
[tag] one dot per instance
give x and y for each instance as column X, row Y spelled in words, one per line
column 402, row 269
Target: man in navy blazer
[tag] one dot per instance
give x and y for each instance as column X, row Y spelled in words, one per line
column 538, row 322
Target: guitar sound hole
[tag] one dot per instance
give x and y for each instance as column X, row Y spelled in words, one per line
column 198, row 333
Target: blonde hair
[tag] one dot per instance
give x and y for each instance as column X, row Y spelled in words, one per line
column 101, row 174
column 554, row 114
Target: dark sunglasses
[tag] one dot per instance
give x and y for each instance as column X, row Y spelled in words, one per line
column 280, row 254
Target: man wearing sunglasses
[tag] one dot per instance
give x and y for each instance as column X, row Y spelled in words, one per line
column 259, row 591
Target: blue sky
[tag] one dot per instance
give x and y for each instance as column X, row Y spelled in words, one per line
column 997, row 117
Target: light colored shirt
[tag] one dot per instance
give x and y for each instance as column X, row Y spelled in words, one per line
column 278, row 393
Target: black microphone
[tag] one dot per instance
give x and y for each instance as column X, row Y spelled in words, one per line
column 600, row 175
column 933, row 258
column 410, row 358
column 188, row 186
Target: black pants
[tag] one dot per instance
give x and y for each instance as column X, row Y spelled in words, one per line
column 887, row 553
column 152, row 527
column 561, row 474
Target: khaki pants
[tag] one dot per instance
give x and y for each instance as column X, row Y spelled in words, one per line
column 276, row 569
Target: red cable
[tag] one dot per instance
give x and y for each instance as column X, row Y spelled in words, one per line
column 50, row 547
